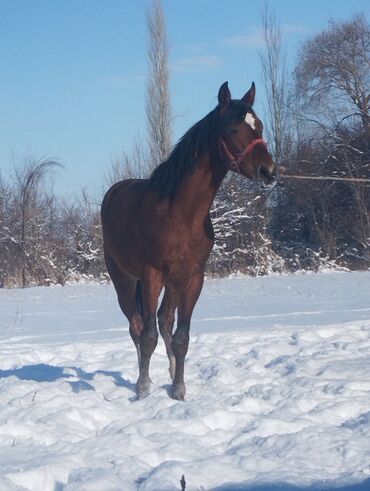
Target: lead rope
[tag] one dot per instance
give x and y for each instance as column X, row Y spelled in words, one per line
column 324, row 178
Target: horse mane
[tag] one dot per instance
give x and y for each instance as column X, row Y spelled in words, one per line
column 167, row 176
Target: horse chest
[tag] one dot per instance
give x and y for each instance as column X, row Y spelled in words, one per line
column 186, row 247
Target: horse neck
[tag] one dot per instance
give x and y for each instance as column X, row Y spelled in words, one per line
column 198, row 190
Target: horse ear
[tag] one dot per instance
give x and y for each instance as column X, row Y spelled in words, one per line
column 248, row 98
column 224, row 95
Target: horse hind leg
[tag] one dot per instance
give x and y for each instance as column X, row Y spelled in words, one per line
column 151, row 286
column 127, row 289
column 136, row 321
column 166, row 319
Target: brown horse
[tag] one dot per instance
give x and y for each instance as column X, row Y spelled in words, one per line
column 158, row 233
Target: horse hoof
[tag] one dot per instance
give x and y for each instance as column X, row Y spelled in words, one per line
column 142, row 394
column 142, row 389
column 178, row 393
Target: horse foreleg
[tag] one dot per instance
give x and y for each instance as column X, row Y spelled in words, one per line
column 151, row 287
column 166, row 319
column 136, row 328
column 180, row 340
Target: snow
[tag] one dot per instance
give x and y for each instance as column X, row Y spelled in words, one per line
column 278, row 390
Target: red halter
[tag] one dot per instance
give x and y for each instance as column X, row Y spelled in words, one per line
column 234, row 161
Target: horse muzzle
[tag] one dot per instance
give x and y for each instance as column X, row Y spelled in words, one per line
column 266, row 173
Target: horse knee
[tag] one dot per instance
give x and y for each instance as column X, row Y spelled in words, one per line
column 180, row 341
column 136, row 327
column 149, row 336
column 165, row 325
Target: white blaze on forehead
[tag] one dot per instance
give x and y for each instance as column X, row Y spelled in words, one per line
column 249, row 118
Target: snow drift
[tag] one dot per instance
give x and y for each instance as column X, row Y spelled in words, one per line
column 278, row 390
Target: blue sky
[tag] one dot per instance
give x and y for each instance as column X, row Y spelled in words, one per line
column 73, row 71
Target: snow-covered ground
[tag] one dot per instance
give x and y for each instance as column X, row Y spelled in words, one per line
column 278, row 390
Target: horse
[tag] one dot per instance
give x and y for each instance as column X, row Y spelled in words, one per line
column 158, row 234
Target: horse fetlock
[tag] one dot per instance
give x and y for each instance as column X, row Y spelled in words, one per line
column 178, row 392
column 143, row 387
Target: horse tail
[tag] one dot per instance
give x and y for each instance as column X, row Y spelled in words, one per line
column 139, row 297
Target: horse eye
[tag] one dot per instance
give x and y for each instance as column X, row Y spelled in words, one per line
column 233, row 131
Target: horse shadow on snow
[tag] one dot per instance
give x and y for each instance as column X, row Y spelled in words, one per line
column 363, row 486
column 42, row 372
column 49, row 373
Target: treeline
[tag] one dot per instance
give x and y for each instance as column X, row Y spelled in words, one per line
column 326, row 133
column 318, row 124
column 45, row 239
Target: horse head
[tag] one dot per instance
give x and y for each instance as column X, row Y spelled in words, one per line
column 241, row 143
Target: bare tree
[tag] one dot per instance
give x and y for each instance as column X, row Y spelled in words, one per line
column 83, row 251
column 158, row 106
column 334, row 70
column 29, row 178
column 129, row 165
column 274, row 78
column 331, row 99
column 144, row 157
column 6, row 244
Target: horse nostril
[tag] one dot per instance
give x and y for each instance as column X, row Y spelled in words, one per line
column 266, row 173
